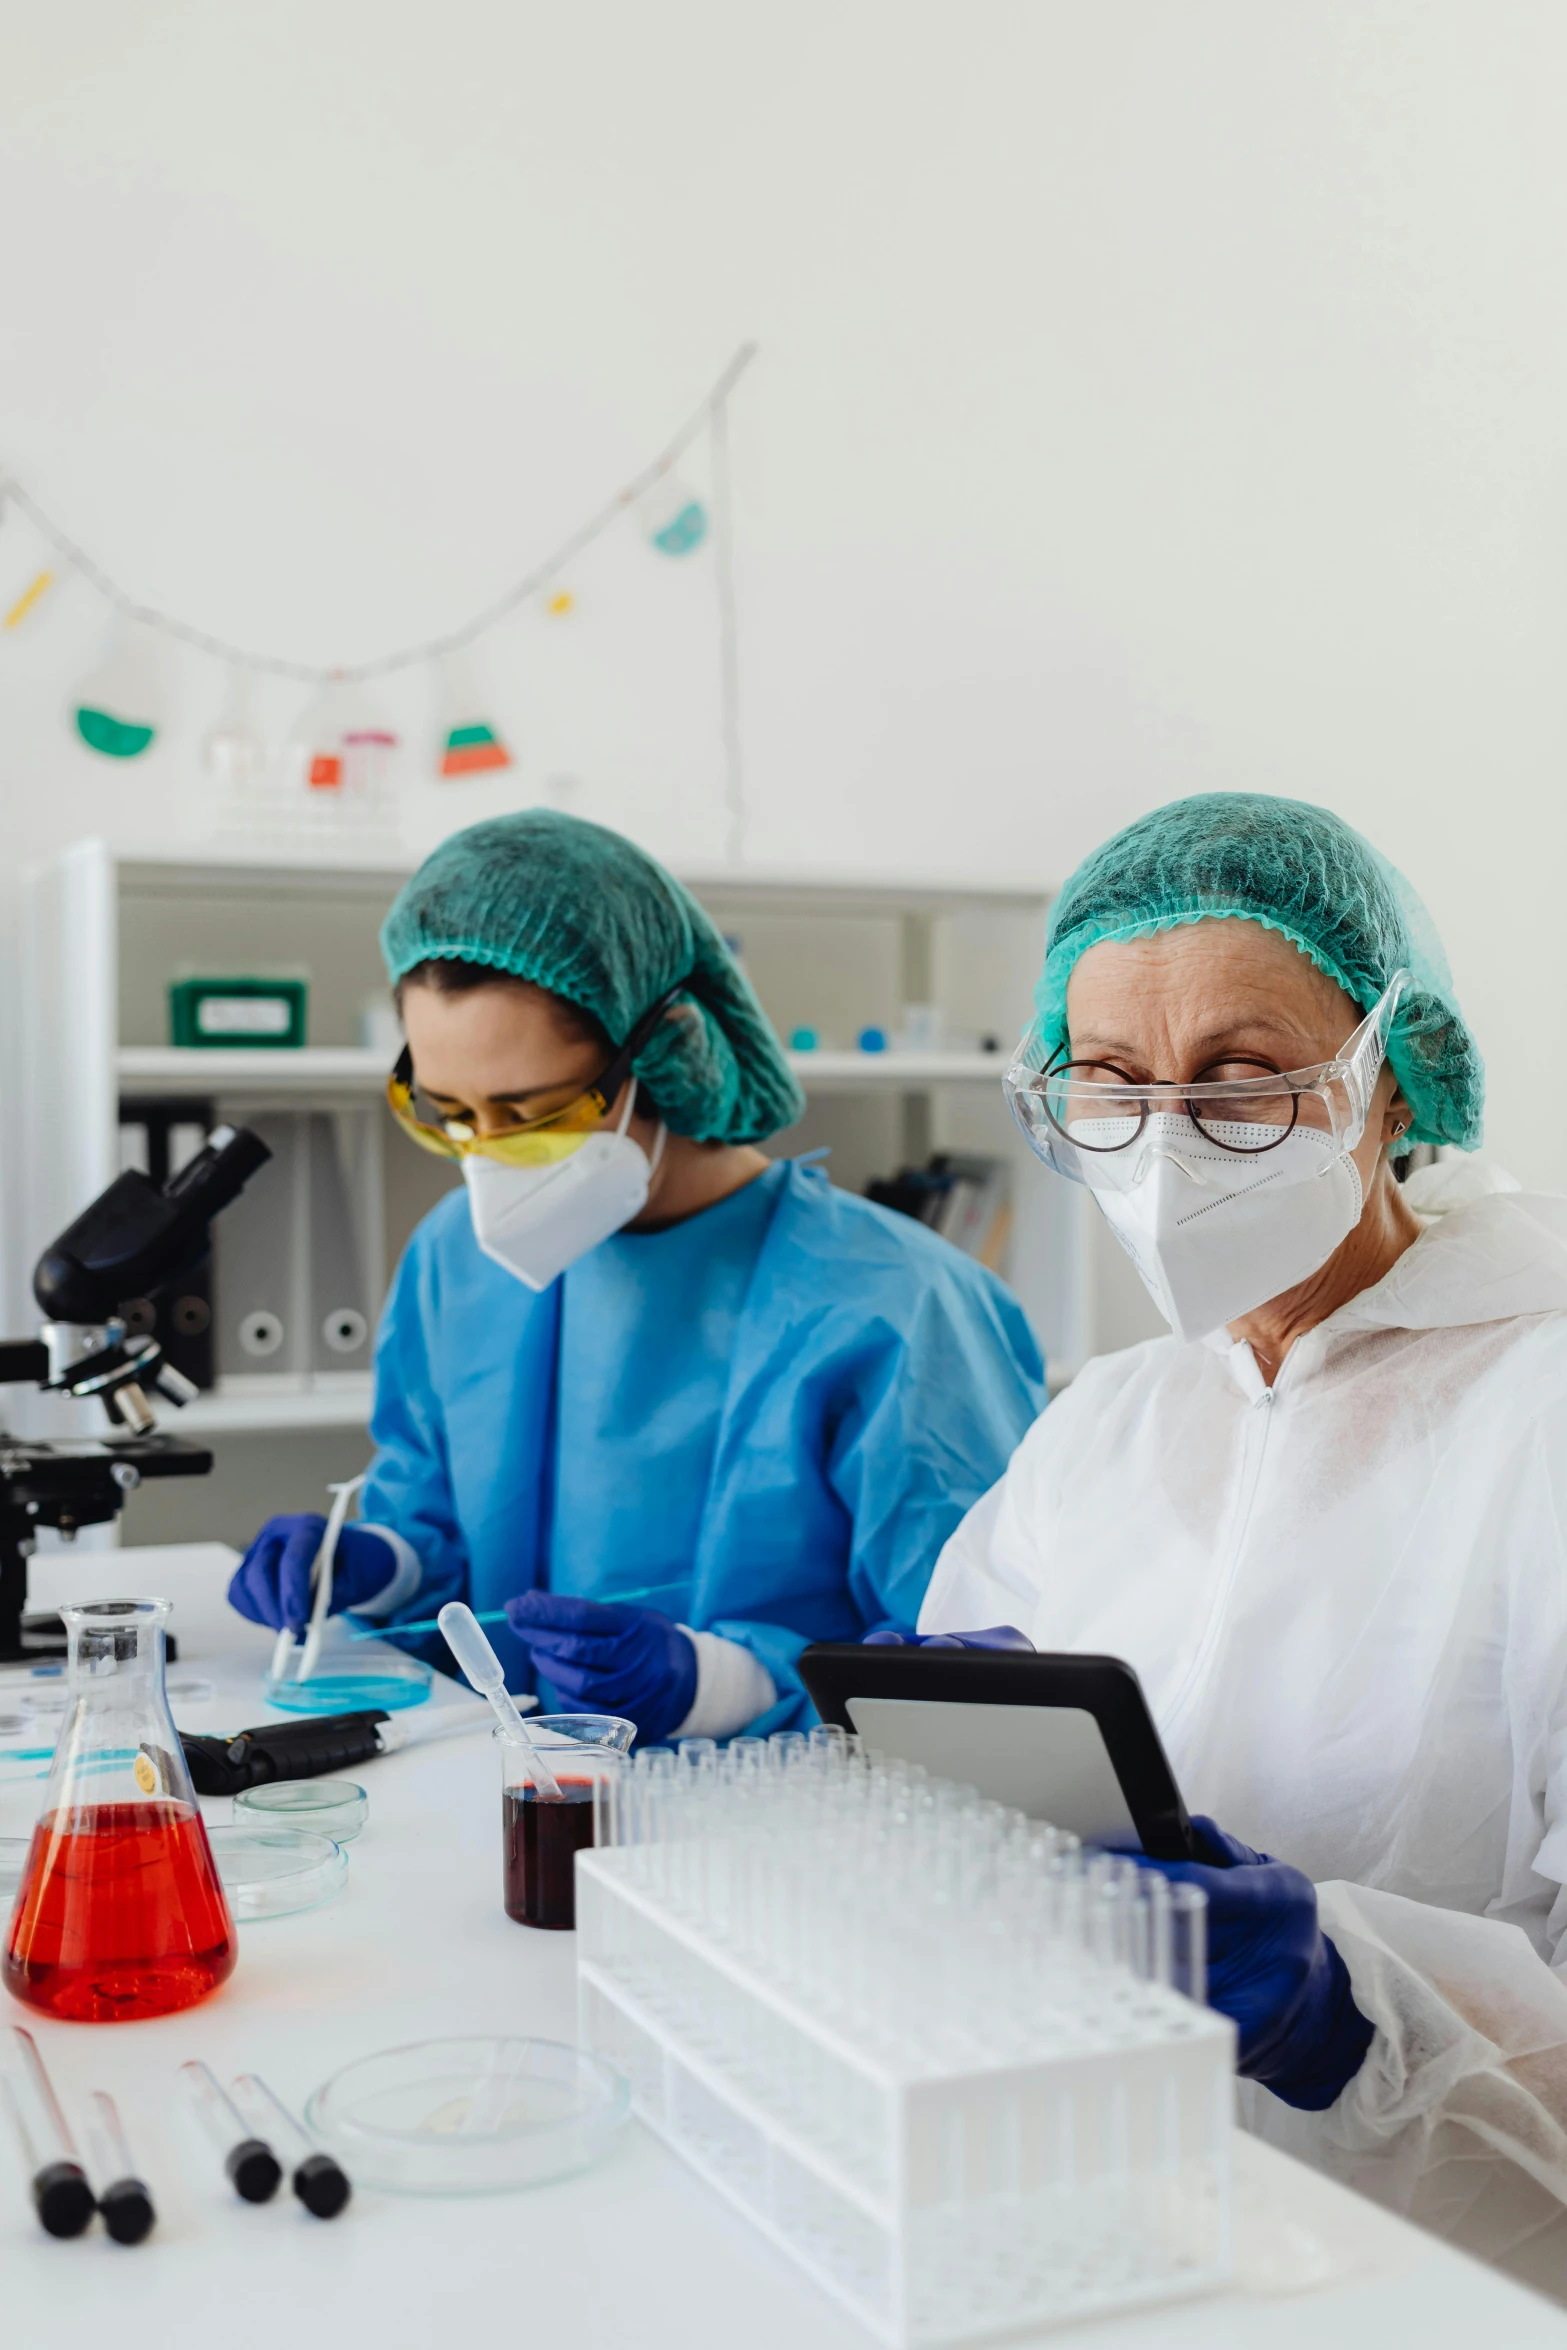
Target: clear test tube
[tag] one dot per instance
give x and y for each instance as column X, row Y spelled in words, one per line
column 317, row 2178
column 1189, row 1941
column 123, row 2195
column 61, row 2196
column 611, row 1796
column 1156, row 1904
column 249, row 2164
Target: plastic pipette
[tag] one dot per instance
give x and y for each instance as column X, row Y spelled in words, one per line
column 493, row 1615
column 321, row 1585
column 465, row 1637
column 485, row 1615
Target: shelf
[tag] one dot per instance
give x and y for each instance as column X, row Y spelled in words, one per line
column 233, row 1071
column 240, row 1069
column 253, row 1411
column 330, row 863
column 828, row 1072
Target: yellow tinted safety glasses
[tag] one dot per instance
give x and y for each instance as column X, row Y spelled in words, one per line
column 532, row 1142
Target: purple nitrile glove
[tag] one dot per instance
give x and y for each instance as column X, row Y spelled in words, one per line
column 271, row 1584
column 1273, row 1971
column 609, row 1659
column 993, row 1636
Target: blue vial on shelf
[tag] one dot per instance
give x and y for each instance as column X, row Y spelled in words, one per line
column 873, row 1040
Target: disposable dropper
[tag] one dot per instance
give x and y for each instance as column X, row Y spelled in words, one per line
column 482, row 1668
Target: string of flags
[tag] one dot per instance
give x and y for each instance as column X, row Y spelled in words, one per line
column 339, row 748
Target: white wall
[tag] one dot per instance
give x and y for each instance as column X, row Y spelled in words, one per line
column 1152, row 397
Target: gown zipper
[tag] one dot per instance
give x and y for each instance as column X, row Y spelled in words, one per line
column 1260, row 1419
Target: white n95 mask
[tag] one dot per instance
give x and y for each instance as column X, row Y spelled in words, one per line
column 538, row 1220
column 1215, row 1233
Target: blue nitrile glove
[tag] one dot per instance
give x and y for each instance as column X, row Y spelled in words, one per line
column 1273, row 1971
column 271, row 1584
column 603, row 1659
column 994, row 1636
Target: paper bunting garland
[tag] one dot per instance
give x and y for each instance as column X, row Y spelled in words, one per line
column 673, row 517
column 472, row 745
column 119, row 709
column 340, row 753
column 234, row 753
column 35, row 590
column 339, row 746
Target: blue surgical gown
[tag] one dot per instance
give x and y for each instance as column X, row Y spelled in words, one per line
column 765, row 1420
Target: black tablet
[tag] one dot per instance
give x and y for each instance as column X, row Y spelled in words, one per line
column 1067, row 1739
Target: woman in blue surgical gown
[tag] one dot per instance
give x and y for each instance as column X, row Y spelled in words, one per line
column 677, row 1408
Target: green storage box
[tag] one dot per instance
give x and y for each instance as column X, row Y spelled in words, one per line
column 229, row 1012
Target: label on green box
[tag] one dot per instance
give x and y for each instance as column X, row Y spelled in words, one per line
column 257, row 1012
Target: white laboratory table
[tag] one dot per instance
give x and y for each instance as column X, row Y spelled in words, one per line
column 637, row 2252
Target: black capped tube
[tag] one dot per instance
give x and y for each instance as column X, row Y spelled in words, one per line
column 62, row 2197
column 318, row 2178
column 123, row 2196
column 249, row 2164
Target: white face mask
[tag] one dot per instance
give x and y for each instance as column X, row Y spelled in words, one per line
column 1213, row 1232
column 538, row 1220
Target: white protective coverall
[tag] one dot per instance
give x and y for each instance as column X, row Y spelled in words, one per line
column 1346, row 1598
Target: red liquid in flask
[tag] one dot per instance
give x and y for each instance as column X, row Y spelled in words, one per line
column 543, row 1836
column 121, row 1915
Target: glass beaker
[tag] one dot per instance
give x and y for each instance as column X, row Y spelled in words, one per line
column 120, row 1913
column 541, row 1835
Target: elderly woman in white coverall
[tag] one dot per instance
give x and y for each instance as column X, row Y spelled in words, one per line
column 1326, row 1518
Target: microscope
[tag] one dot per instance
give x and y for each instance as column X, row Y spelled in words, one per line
column 131, row 1242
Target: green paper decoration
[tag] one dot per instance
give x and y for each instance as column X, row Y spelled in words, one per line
column 116, row 738
column 119, row 709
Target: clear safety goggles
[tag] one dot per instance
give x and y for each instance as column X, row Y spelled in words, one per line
column 1084, row 1117
column 531, row 1142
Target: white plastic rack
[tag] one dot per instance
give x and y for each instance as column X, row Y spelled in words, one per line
column 931, row 2049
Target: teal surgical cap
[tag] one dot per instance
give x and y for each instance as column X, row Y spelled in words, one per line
column 1305, row 873
column 580, row 911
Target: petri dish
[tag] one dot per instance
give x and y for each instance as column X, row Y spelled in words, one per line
column 470, row 2117
column 328, row 1807
column 385, row 1680
column 271, row 1872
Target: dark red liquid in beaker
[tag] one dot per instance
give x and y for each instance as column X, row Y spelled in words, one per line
column 543, row 1837
column 121, row 1915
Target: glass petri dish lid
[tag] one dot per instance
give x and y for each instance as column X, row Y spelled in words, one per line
column 355, row 1676
column 270, row 1872
column 471, row 2116
column 267, row 1872
column 327, row 1807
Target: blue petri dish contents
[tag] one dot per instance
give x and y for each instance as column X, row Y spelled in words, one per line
column 348, row 1693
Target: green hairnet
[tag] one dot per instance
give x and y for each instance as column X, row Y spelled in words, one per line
column 586, row 914
column 1303, row 872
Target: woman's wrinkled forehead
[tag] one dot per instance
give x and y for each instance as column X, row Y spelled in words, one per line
column 1200, row 986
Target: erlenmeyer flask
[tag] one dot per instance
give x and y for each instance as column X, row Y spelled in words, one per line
column 121, row 1911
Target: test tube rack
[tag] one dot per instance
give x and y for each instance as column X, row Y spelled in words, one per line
column 937, row 2053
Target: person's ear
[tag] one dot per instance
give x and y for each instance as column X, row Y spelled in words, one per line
column 1397, row 1119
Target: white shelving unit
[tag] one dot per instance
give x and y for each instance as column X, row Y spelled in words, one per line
column 106, row 928
column 333, row 1070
